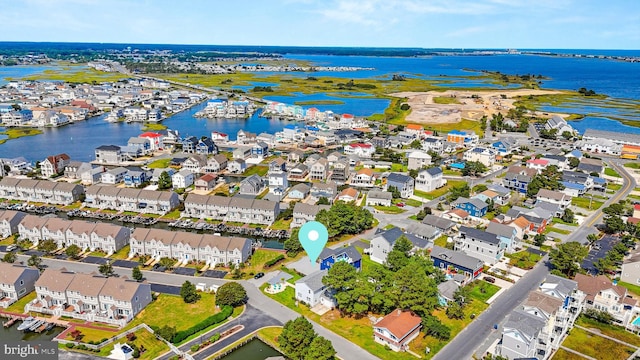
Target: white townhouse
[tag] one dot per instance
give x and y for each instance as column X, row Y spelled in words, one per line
column 9, row 221
column 30, row 227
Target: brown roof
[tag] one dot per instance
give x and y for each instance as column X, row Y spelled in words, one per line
column 208, row 177
column 399, row 323
column 120, row 289
column 490, row 193
column 197, row 199
column 55, row 280
column 459, row 212
column 57, row 224
column 544, row 302
column 87, row 284
column 106, row 229
column 188, row 238
column 8, row 215
column 82, row 227
column 140, row 234
column 32, row 221
column 366, row 171
column 10, row 273
column 164, row 236
column 593, row 285
column 349, row 192
column 521, row 222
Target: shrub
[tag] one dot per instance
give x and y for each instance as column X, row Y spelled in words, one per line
column 211, row 320
column 274, row 261
column 215, row 337
column 195, row 348
column 131, row 336
column 69, row 345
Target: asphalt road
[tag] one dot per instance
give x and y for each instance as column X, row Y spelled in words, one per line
column 479, row 335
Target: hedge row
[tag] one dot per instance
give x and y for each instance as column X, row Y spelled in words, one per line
column 211, row 320
column 273, row 261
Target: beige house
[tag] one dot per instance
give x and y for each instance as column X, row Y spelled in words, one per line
column 46, row 191
column 254, row 211
column 140, row 201
column 602, row 294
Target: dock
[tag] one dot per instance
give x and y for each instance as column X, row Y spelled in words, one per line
column 11, row 321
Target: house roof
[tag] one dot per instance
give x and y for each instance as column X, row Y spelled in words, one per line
column 301, row 187
column 122, row 289
column 457, row 212
column 527, row 324
column 414, row 127
column 314, row 280
column 556, row 284
column 422, row 230
column 593, row 285
column 541, row 162
column 391, row 235
column 55, row 280
column 477, row 203
column 500, row 229
column 10, row 273
column 365, row 171
column 378, row 194
column 87, row 284
column 550, row 194
column 447, row 289
column 350, row 251
column 479, row 235
column 438, row 222
column 433, row 171
column 399, row 323
column 398, row 178
column 456, row 257
column 279, row 277
column 351, row 192
column 306, row 209
column 521, row 222
column 547, row 303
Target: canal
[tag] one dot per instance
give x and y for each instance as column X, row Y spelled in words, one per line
column 13, row 334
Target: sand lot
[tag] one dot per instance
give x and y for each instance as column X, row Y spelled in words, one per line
column 425, row 111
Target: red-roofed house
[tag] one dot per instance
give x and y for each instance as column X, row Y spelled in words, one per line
column 54, row 165
column 361, row 149
column 154, row 138
column 537, row 164
column 217, row 136
column 636, row 211
column 397, row 329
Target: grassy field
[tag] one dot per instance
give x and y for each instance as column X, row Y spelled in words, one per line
column 441, row 241
column 614, row 187
column 562, row 354
column 281, row 224
column 270, row 335
column 173, row 310
column 596, row 346
column 611, row 172
column 523, row 259
column 18, row 306
column 77, row 74
column 15, row 133
column 258, row 169
column 93, row 334
column 389, row 209
column 631, row 287
column 445, row 100
column 584, row 203
column 258, row 259
column 550, row 229
column 438, row 192
column 613, row 331
column 153, row 127
column 632, row 165
column 160, row 164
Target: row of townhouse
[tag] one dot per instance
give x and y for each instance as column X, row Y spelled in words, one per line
column 45, row 191
column 86, row 235
column 186, row 247
column 127, row 199
column 239, row 209
column 89, row 297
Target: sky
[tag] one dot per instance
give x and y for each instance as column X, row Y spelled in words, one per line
column 500, row 24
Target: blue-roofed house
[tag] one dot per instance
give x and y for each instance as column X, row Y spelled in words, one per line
column 403, row 183
column 292, row 132
column 574, row 153
column 475, row 207
column 505, row 146
column 206, row 146
column 599, row 183
column 383, row 241
column 573, row 189
column 349, row 254
column 430, row 179
column 189, row 144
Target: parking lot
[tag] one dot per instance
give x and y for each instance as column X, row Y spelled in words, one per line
column 598, row 251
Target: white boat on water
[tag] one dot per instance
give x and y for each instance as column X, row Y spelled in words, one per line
column 26, row 323
column 112, row 117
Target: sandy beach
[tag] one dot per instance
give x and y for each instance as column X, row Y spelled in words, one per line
column 425, row 111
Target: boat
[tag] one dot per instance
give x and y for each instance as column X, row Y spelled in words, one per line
column 35, row 325
column 112, row 117
column 26, row 323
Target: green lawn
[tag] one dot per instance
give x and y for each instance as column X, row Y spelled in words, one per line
column 613, row 331
column 281, row 224
column 560, row 221
column 631, row 287
column 562, row 354
column 584, row 203
column 175, row 214
column 389, row 209
column 451, row 172
column 614, row 187
column 410, row 202
column 153, row 127
column 441, row 241
column 398, row 167
column 438, row 192
column 632, row 165
column 258, row 259
column 270, row 335
column 96, row 335
column 159, row 164
column 18, row 306
column 173, row 310
column 596, row 346
column 257, row 169
column 550, row 229
column 611, row 172
column 523, row 259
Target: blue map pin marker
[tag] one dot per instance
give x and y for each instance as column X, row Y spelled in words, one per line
column 313, row 236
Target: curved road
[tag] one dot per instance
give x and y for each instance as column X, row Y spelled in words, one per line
column 479, row 335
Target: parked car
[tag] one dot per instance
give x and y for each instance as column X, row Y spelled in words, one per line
column 490, row 279
column 400, row 204
column 259, row 275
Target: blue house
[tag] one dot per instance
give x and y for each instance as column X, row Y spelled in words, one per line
column 402, row 182
column 136, row 178
column 328, row 257
column 260, row 149
column 456, row 262
column 518, row 178
column 206, row 146
column 475, row 207
column 189, row 145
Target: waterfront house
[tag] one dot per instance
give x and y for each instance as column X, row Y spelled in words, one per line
column 304, row 212
column 418, row 160
column 9, row 221
column 206, row 182
column 430, row 179
column 348, row 254
column 397, row 329
column 16, row 281
column 51, row 288
column 216, row 163
column 255, row 211
column 142, row 144
column 384, row 240
column 260, row 150
column 109, row 154
column 136, row 178
column 82, row 295
column 457, row 263
column 182, row 179
column 242, row 152
column 206, row 146
column 475, row 207
column 311, row 291
column 196, row 164
column 75, row 169
column 403, row 183
column 380, row 198
column 40, row 190
column 480, row 244
column 52, row 229
column 559, row 124
column 143, row 201
column 114, row 176
column 237, row 166
column 54, row 165
column 189, row 145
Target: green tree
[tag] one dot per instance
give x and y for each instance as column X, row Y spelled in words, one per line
column 615, row 209
column 567, row 257
column 292, row 245
column 232, row 294
column 416, row 144
column 73, row 251
column 567, row 135
column 432, row 326
column 320, row 349
column 136, row 274
column 458, row 191
column 189, row 293
column 414, row 290
column 479, row 188
column 106, row 269
column 473, row 168
column 455, row 311
column 164, row 181
column 35, row 261
column 345, row 218
column 395, row 193
column 574, row 162
column 167, row 332
column 398, row 257
column 539, row 240
column 296, row 338
column 48, row 246
column 568, row 216
column 9, row 258
column 323, row 201
column 550, row 178
column 613, row 224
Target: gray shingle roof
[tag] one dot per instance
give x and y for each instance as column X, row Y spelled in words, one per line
column 456, row 257
column 529, row 325
column 438, row 222
column 399, row 178
column 314, row 280
column 394, row 233
column 479, row 235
